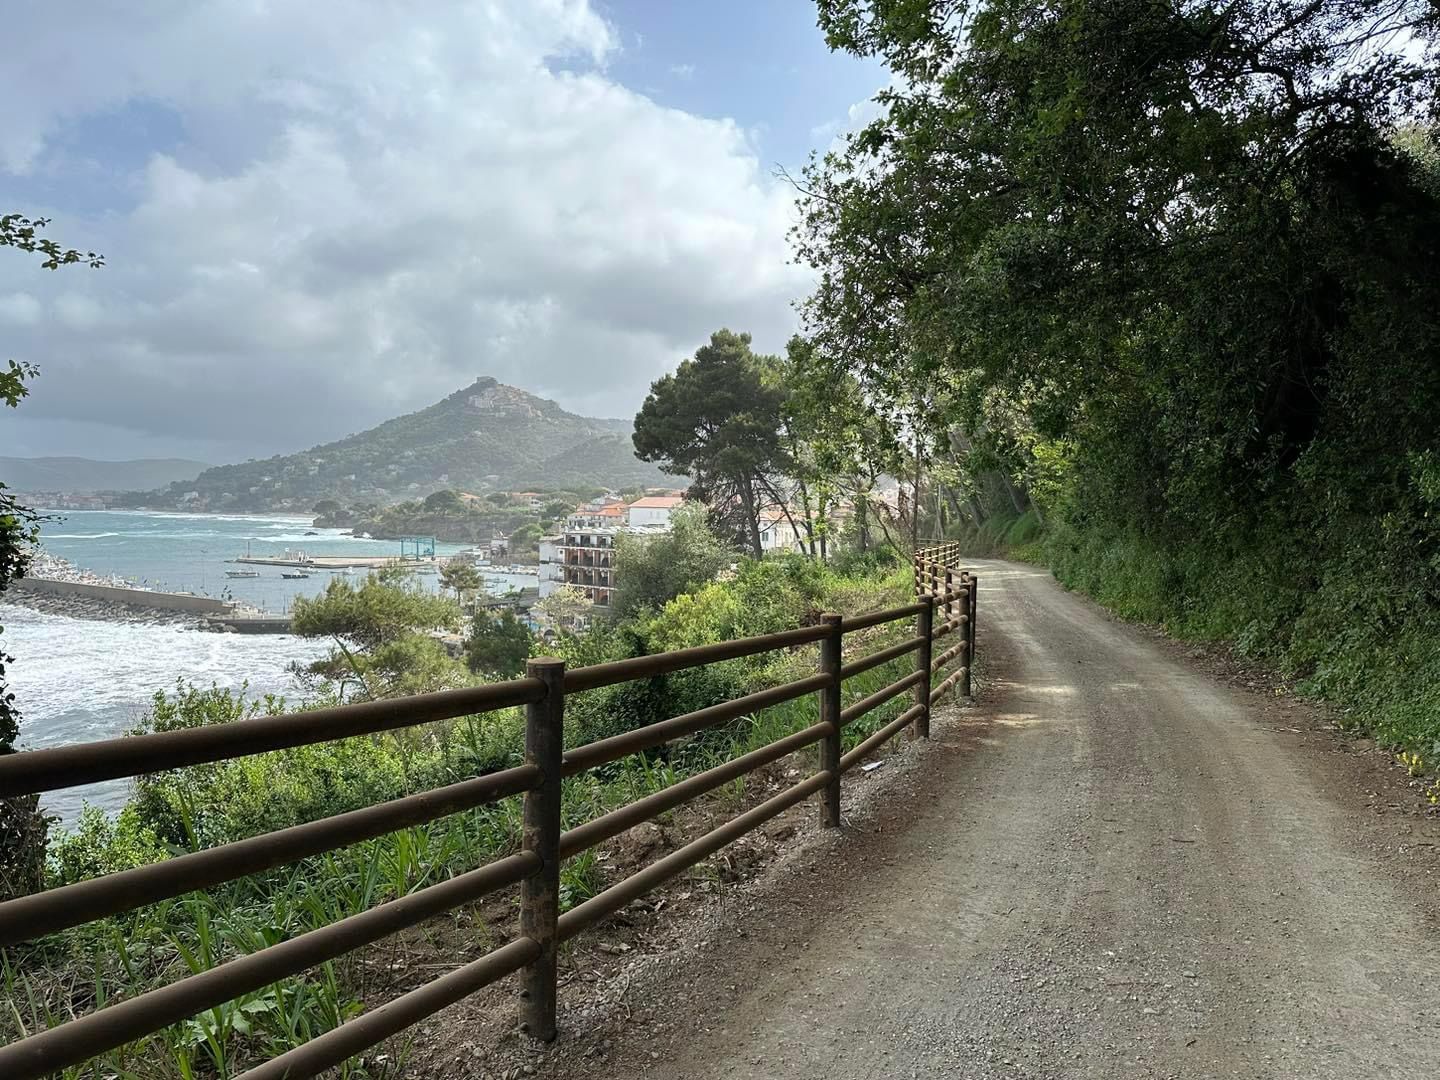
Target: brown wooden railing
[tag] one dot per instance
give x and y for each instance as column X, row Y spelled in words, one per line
column 945, row 604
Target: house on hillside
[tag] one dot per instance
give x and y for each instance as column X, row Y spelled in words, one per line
column 609, row 516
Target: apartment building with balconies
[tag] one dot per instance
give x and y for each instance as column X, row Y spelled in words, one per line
column 588, row 561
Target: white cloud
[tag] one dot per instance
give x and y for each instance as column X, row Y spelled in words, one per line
column 19, row 309
column 373, row 206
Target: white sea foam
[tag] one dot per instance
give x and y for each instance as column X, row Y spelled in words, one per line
column 67, row 668
column 77, row 680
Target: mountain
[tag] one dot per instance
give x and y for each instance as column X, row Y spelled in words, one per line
column 79, row 476
column 486, row 437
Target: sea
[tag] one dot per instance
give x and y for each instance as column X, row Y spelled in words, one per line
column 79, row 679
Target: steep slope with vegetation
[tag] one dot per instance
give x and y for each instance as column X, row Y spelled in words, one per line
column 481, row 438
column 1166, row 277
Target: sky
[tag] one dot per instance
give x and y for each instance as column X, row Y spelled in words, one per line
column 318, row 216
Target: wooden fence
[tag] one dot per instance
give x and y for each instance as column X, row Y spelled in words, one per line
column 945, row 605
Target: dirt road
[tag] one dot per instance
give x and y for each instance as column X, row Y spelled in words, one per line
column 1114, row 866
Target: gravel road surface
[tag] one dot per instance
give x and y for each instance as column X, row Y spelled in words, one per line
column 1114, row 866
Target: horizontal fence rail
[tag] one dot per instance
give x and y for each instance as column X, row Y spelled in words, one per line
column 945, row 604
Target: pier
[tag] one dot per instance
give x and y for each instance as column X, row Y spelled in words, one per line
column 335, row 562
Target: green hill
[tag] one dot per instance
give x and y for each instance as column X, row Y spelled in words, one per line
column 486, row 437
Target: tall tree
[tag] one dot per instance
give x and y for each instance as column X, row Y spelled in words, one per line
column 717, row 419
column 461, row 577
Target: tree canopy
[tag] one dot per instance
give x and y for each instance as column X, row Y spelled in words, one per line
column 717, row 419
column 651, row 570
column 378, row 610
column 1168, row 275
column 461, row 578
column 383, row 631
column 498, row 645
column 1188, row 238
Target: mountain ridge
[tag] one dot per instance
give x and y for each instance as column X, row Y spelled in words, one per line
column 486, row 436
column 84, row 476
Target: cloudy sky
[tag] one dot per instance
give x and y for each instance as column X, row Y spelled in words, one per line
column 316, row 216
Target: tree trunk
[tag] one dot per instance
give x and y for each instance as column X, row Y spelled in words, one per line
column 915, row 502
column 752, row 515
column 1010, row 490
column 977, row 511
column 808, row 516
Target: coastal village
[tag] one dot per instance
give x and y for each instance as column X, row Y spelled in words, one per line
column 576, row 554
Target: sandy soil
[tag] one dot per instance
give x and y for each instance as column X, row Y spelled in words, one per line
column 1126, row 860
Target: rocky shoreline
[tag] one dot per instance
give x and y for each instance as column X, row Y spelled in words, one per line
column 45, row 566
column 84, row 607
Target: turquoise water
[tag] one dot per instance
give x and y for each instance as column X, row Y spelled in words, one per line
column 80, row 679
column 189, row 552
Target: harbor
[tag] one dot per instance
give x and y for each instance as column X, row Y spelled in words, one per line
column 302, row 561
column 424, row 565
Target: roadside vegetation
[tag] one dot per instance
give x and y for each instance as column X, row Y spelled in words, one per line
column 691, row 591
column 1151, row 293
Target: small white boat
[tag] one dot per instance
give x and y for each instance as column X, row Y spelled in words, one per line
column 242, row 573
column 294, row 574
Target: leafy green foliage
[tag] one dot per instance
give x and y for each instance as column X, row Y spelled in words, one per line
column 211, row 804
column 1174, row 269
column 652, row 570
column 24, row 234
column 373, row 613
column 526, row 539
column 566, row 605
column 498, row 645
column 384, row 634
column 22, row 826
column 461, row 578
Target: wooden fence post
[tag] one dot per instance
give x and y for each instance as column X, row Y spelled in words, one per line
column 831, row 651
column 540, row 893
column 924, row 629
column 974, row 615
column 969, row 635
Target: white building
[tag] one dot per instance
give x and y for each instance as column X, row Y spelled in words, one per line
column 552, row 563
column 652, row 510
column 777, row 533
column 584, row 555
